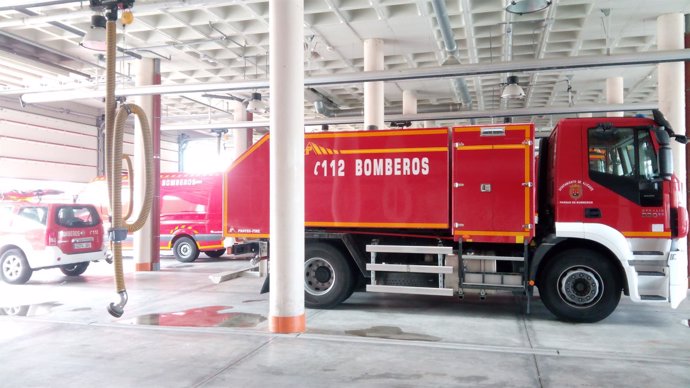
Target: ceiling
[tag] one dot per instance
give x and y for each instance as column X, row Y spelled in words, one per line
column 204, row 41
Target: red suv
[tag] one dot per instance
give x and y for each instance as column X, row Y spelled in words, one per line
column 36, row 236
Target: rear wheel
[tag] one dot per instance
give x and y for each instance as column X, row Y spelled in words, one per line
column 74, row 269
column 15, row 268
column 580, row 285
column 185, row 250
column 328, row 279
column 215, row 254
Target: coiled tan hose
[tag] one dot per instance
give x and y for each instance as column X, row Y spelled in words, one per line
column 114, row 129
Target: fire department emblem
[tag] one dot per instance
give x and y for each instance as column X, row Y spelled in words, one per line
column 575, row 191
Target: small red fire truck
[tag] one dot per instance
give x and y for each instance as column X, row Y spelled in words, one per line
column 190, row 212
column 441, row 211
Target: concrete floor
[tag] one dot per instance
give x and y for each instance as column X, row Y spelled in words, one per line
column 181, row 330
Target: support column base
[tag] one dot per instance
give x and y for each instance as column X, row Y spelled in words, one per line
column 143, row 267
column 287, row 325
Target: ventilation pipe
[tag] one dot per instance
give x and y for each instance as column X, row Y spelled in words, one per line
column 459, row 84
column 114, row 138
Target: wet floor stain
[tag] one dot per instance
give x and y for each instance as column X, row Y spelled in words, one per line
column 391, row 332
column 253, row 300
column 209, row 316
column 29, row 310
column 82, row 309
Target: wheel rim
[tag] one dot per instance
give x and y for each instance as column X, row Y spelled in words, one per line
column 185, row 250
column 12, row 267
column 580, row 286
column 319, row 276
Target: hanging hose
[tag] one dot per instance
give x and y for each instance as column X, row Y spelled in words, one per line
column 114, row 130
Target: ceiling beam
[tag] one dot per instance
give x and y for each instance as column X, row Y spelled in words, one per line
column 383, row 75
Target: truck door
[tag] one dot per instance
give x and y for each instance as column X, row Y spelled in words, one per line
column 493, row 176
column 626, row 189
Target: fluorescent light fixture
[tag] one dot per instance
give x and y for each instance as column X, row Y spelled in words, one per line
column 512, row 90
column 526, row 6
column 95, row 36
column 256, row 105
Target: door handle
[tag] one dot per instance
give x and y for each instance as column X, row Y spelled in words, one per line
column 592, row 212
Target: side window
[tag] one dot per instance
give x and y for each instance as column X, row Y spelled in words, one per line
column 624, row 161
column 37, row 214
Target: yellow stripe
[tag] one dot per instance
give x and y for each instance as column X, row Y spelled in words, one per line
column 376, row 133
column 646, row 234
column 492, row 147
column 393, row 150
column 213, row 246
column 248, row 152
column 323, row 150
column 376, row 225
column 257, row 235
column 330, row 151
column 490, row 233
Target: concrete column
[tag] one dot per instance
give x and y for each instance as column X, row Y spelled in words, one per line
column 409, row 102
column 669, row 35
column 240, row 139
column 373, row 91
column 670, row 30
column 614, row 94
column 286, row 39
column 147, row 239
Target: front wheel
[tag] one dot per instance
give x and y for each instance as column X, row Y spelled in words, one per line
column 74, row 269
column 328, row 277
column 580, row 285
column 15, row 268
column 185, row 250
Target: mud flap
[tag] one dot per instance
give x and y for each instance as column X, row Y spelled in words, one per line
column 265, row 287
column 678, row 282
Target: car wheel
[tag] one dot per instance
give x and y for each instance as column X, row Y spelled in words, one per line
column 74, row 269
column 185, row 250
column 15, row 268
column 580, row 285
column 328, row 279
column 215, row 254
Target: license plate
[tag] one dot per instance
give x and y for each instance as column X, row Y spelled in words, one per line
column 82, row 245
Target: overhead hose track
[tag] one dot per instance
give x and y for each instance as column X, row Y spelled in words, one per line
column 114, row 134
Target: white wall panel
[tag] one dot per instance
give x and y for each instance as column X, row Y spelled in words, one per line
column 47, row 152
column 17, row 168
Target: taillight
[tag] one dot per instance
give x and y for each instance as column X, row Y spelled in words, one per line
column 51, row 238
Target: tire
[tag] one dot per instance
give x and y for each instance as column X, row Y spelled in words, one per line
column 74, row 269
column 15, row 268
column 16, row 311
column 215, row 254
column 580, row 285
column 185, row 250
column 328, row 278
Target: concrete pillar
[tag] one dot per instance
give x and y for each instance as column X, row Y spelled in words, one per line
column 286, row 39
column 614, row 94
column 147, row 239
column 409, row 102
column 670, row 29
column 669, row 35
column 373, row 91
column 241, row 138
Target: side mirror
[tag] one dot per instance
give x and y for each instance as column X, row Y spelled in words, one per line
column 665, row 154
column 682, row 139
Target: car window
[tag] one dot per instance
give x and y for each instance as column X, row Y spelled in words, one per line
column 34, row 213
column 77, row 216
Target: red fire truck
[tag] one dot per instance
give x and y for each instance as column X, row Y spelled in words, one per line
column 442, row 211
column 190, row 216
